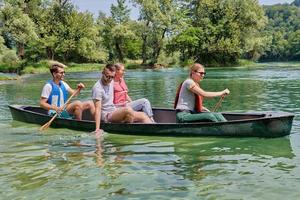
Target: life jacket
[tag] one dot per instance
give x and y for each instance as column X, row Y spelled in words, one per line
column 56, row 92
column 198, row 100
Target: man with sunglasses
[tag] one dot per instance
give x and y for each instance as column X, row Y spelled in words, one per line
column 105, row 110
column 55, row 93
column 189, row 98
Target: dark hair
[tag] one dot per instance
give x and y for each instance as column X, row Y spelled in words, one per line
column 110, row 67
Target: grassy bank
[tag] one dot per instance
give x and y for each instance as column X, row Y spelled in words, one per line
column 43, row 66
column 72, row 67
column 4, row 77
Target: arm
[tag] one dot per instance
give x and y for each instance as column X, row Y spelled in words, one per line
column 128, row 99
column 197, row 90
column 98, row 106
column 205, row 109
column 44, row 98
column 46, row 106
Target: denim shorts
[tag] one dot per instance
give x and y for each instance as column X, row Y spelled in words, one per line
column 64, row 114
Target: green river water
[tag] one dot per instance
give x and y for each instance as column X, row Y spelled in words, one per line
column 66, row 164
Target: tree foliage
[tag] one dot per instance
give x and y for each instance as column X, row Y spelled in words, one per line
column 220, row 31
column 213, row 32
column 284, row 21
column 158, row 19
column 18, row 25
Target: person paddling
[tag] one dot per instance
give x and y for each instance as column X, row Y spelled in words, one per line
column 55, row 93
column 189, row 99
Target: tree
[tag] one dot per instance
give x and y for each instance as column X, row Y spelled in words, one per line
column 18, row 26
column 283, row 22
column 158, row 19
column 294, row 45
column 296, row 3
column 116, row 31
column 220, row 31
column 68, row 34
column 120, row 29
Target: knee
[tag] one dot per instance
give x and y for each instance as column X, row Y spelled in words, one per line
column 145, row 101
column 128, row 110
column 78, row 105
column 89, row 105
column 129, row 115
column 212, row 117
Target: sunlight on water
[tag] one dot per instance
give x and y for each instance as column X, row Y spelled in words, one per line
column 65, row 164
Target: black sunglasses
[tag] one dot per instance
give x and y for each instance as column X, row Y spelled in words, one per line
column 201, row 73
column 108, row 77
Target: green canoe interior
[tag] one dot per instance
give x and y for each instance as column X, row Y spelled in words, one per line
column 161, row 115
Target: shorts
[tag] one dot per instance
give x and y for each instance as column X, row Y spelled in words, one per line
column 64, row 114
column 106, row 117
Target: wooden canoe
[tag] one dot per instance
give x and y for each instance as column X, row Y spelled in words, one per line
column 254, row 124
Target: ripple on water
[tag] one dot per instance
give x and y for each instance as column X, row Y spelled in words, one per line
column 67, row 164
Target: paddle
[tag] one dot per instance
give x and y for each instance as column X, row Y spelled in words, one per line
column 219, row 103
column 45, row 126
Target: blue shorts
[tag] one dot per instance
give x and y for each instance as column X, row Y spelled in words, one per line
column 64, row 114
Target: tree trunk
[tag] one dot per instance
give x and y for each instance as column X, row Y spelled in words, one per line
column 119, row 50
column 144, row 49
column 21, row 50
column 50, row 53
column 157, row 47
column 144, row 46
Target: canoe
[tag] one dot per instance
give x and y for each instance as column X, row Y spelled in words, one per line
column 252, row 124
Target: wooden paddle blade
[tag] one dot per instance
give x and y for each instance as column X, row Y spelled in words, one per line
column 45, row 126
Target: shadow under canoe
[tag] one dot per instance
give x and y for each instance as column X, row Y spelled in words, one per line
column 254, row 124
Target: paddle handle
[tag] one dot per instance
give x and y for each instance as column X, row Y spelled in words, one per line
column 45, row 126
column 219, row 103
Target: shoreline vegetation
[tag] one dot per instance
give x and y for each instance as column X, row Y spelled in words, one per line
column 7, row 77
column 166, row 34
column 42, row 67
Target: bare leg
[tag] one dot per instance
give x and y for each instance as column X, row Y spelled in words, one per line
column 76, row 109
column 124, row 114
column 89, row 105
column 141, row 117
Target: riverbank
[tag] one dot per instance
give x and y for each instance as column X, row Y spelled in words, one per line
column 8, row 76
column 43, row 67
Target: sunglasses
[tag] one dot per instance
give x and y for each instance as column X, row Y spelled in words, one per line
column 201, row 73
column 108, row 77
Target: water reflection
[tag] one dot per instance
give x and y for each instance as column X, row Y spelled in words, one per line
column 69, row 164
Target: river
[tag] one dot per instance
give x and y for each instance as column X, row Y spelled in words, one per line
column 66, row 164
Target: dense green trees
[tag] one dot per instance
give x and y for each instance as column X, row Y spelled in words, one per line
column 214, row 32
column 283, row 25
column 220, row 31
